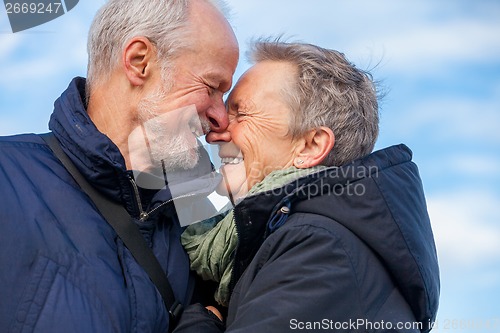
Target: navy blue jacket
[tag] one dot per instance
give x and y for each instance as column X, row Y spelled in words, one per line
column 62, row 267
column 347, row 249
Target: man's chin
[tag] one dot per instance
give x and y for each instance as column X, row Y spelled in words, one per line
column 176, row 162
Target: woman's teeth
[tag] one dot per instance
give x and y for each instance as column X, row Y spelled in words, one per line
column 231, row 160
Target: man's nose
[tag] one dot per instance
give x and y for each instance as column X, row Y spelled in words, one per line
column 217, row 117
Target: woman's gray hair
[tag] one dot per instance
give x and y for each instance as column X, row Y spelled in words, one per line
column 163, row 22
column 328, row 91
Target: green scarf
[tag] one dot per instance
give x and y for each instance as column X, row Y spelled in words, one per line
column 210, row 244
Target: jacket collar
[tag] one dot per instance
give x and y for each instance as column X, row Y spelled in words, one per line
column 93, row 153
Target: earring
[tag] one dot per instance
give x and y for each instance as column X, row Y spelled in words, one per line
column 299, row 162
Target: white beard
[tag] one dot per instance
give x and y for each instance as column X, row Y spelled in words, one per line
column 168, row 137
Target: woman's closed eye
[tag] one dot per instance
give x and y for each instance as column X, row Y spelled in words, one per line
column 237, row 115
column 238, row 110
column 241, row 114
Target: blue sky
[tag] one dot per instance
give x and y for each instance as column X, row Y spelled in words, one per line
column 440, row 64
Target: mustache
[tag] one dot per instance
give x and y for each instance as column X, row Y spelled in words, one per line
column 204, row 123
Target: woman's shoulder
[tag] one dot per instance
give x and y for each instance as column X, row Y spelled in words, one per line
column 311, row 237
column 306, row 231
column 311, row 223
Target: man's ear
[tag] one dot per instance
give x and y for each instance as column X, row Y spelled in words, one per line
column 315, row 146
column 137, row 60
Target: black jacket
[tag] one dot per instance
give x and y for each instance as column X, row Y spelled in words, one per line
column 347, row 249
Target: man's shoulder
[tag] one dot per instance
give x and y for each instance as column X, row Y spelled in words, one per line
column 19, row 142
column 22, row 151
column 20, row 139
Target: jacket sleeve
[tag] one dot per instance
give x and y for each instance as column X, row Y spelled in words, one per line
column 196, row 318
column 300, row 276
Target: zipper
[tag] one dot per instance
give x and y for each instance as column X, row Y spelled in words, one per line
column 283, row 213
column 232, row 280
column 167, row 202
column 143, row 215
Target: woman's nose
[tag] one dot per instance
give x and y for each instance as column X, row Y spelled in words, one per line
column 214, row 137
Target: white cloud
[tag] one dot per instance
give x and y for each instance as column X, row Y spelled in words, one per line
column 466, row 228
column 46, row 52
column 431, row 48
column 465, row 167
column 475, row 164
column 10, row 42
column 415, row 38
column 457, row 118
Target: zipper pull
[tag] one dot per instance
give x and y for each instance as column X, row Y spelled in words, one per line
column 143, row 216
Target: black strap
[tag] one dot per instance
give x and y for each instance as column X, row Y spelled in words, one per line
column 126, row 229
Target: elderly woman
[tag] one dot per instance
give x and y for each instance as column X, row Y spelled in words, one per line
column 323, row 235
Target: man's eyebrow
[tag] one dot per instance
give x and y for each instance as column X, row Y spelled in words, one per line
column 221, row 81
column 213, row 77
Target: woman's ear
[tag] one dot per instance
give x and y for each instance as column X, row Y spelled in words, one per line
column 137, row 60
column 316, row 145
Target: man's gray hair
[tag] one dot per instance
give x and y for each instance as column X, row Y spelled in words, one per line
column 163, row 22
column 328, row 91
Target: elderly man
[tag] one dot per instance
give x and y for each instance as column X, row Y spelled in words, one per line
column 156, row 76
